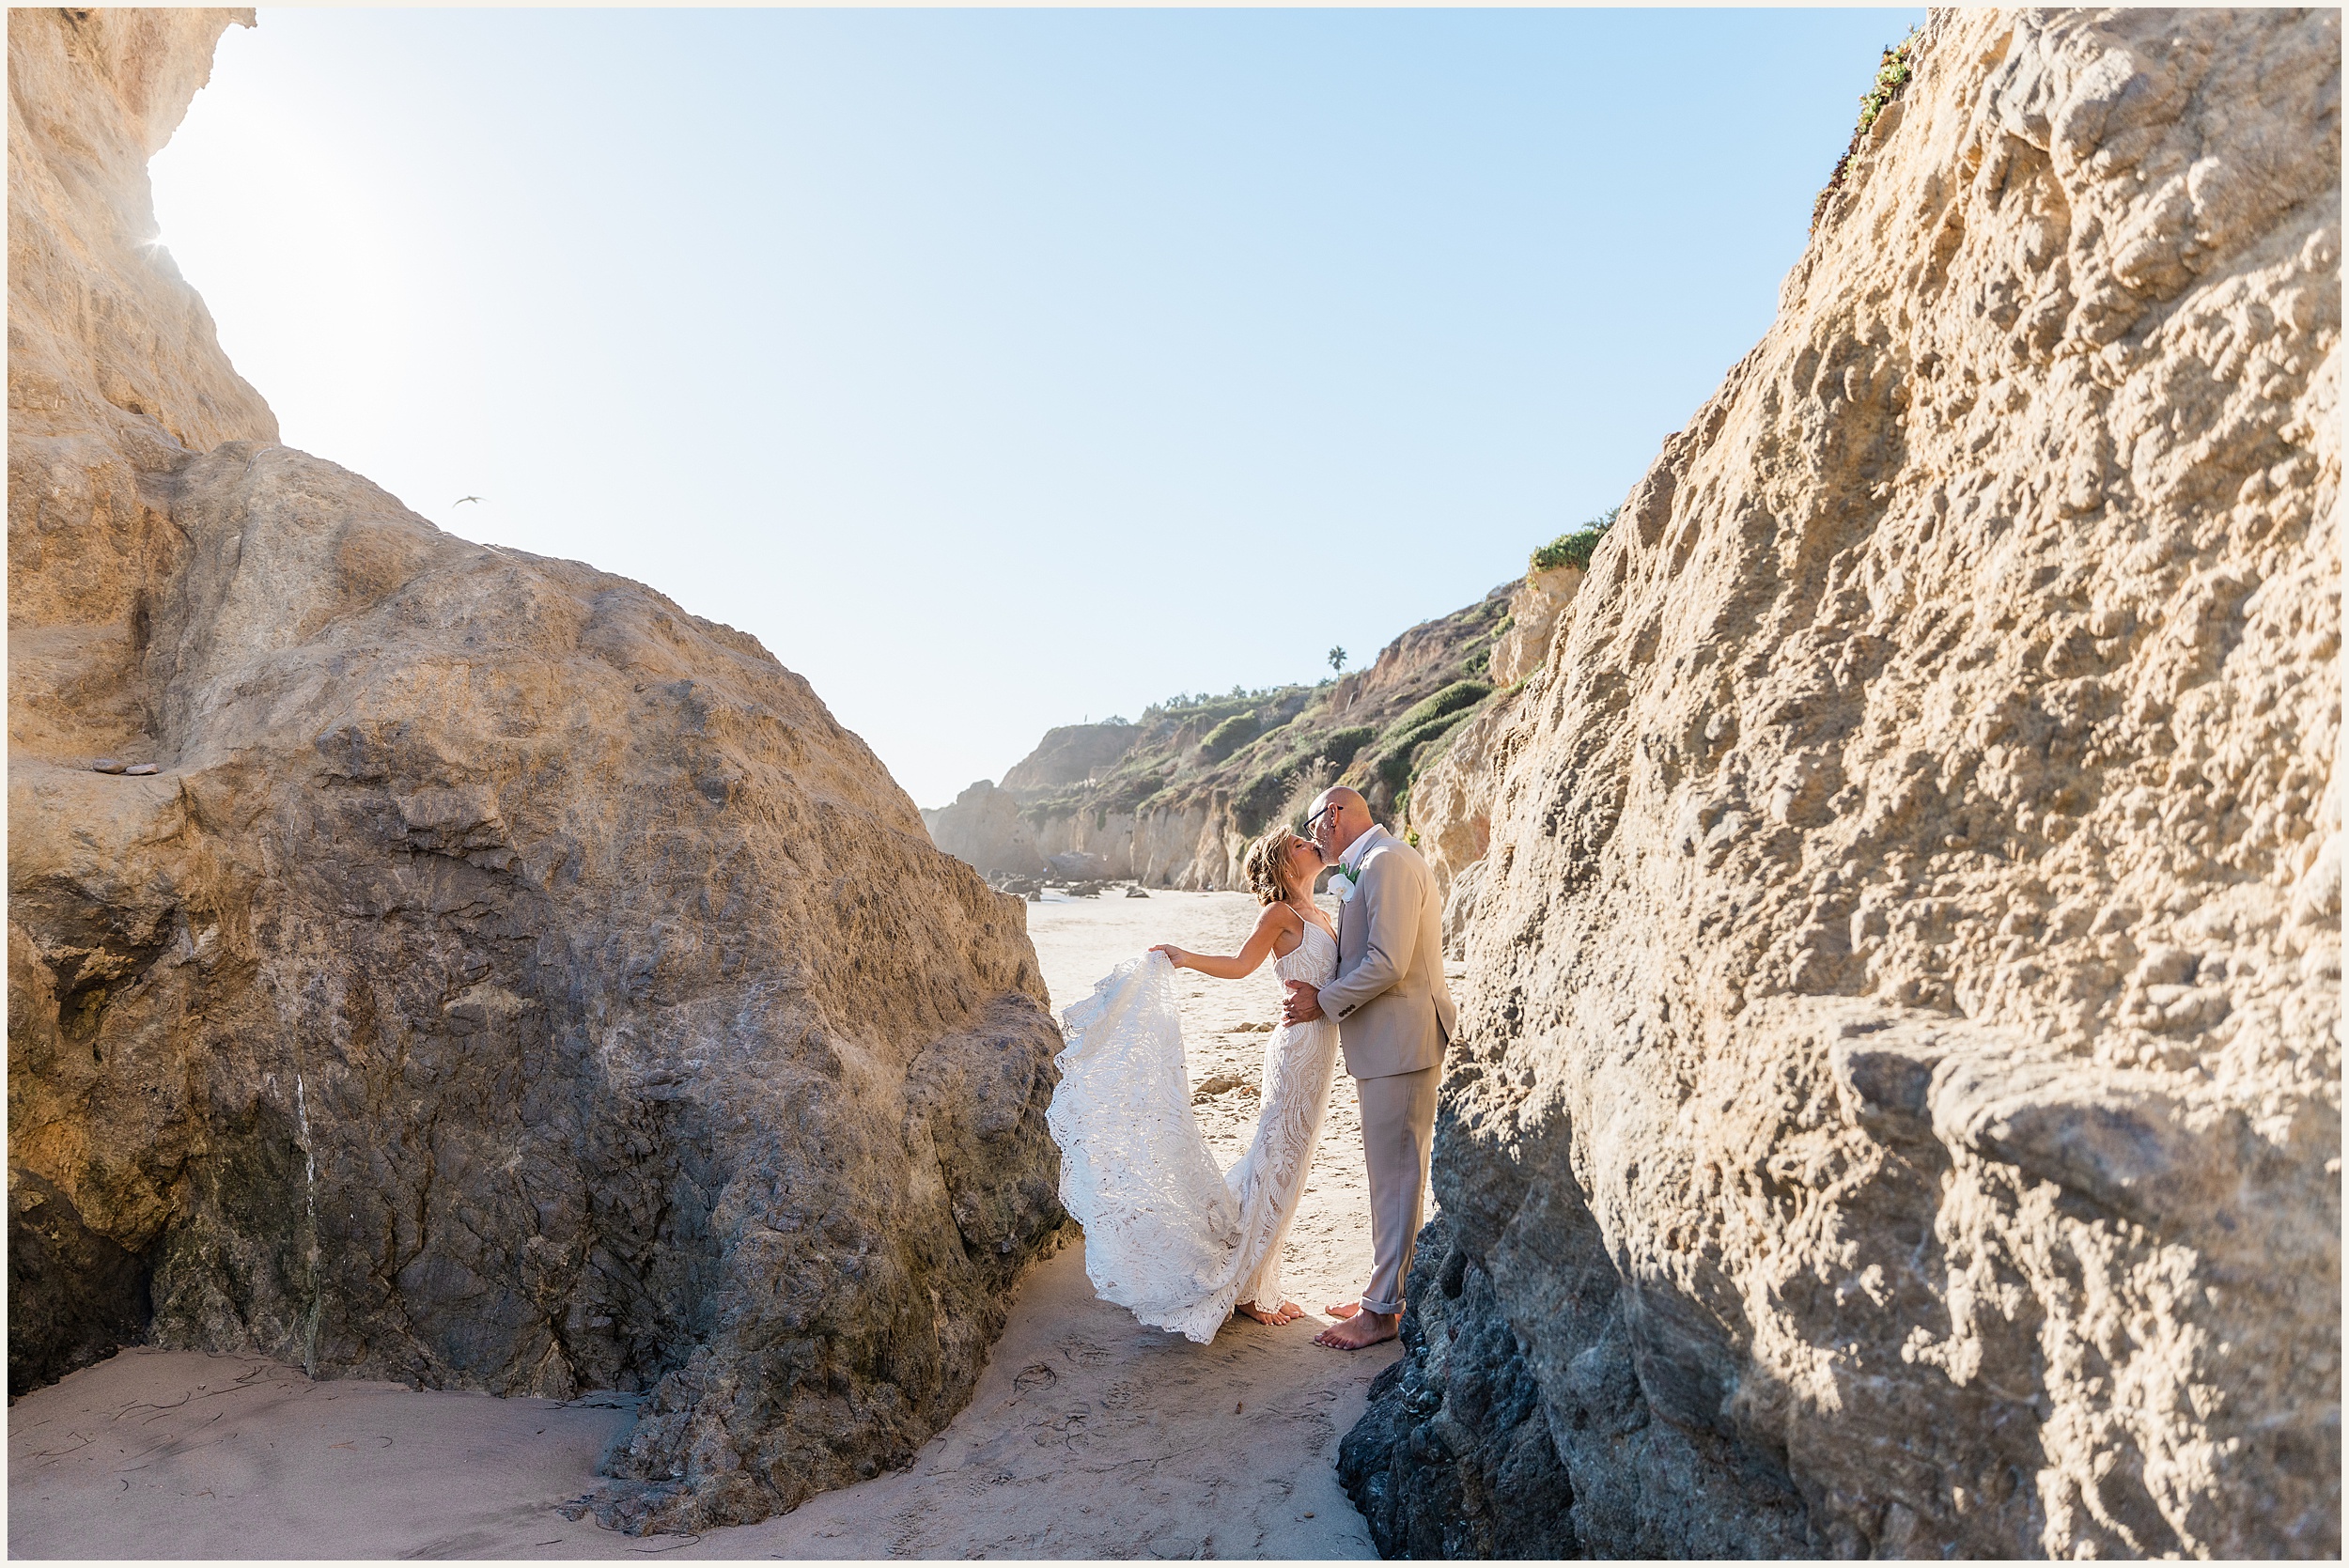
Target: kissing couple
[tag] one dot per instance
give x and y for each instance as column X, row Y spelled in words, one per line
column 1168, row 1236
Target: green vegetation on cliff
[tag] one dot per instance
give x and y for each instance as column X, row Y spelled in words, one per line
column 1573, row 549
column 1249, row 758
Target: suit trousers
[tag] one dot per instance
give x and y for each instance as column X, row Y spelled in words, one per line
column 1398, row 1128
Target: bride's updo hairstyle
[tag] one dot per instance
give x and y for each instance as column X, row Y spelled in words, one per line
column 1265, row 866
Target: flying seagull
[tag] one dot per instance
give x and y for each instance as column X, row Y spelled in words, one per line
column 463, row 499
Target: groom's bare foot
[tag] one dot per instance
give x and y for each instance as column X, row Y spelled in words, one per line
column 1343, row 1309
column 1362, row 1329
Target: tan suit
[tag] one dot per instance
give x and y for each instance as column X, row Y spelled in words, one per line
column 1395, row 1016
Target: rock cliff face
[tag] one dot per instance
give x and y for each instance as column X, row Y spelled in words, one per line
column 1536, row 606
column 983, row 828
column 1174, row 800
column 1452, row 795
column 1451, row 803
column 506, row 980
column 1898, row 1110
column 1071, row 756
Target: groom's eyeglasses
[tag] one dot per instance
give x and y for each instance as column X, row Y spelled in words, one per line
column 1312, row 823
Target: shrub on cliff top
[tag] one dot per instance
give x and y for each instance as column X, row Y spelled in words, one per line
column 1451, row 699
column 1893, row 74
column 1893, row 71
column 1229, row 737
column 1262, row 801
column 1340, row 746
column 1574, row 549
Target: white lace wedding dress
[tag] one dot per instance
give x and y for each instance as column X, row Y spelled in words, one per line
column 1167, row 1235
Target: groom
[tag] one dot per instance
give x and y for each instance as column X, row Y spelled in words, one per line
column 1395, row 1016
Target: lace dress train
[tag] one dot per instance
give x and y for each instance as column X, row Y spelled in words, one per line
column 1167, row 1235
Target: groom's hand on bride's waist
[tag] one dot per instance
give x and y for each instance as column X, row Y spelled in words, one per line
column 1305, row 1002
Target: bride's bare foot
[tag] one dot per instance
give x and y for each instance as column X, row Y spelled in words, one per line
column 1278, row 1318
column 1361, row 1329
column 1343, row 1309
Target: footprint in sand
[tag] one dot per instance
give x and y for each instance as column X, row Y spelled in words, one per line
column 1068, row 1432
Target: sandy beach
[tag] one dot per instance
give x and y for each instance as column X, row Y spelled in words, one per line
column 1088, row 1437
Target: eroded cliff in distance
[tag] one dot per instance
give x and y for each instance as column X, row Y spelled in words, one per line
column 502, row 979
column 1898, row 1105
column 1172, row 801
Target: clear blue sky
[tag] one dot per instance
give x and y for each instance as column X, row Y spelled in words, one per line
column 999, row 369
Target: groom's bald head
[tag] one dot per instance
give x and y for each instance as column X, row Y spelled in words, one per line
column 1340, row 816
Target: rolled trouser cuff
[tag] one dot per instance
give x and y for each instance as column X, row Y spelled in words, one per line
column 1399, row 1119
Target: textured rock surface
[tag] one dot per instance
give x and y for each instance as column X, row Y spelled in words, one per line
column 113, row 370
column 1459, row 1455
column 508, row 980
column 1535, row 608
column 1900, row 1068
column 1452, row 800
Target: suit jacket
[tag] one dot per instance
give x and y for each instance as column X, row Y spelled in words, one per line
column 1394, row 1011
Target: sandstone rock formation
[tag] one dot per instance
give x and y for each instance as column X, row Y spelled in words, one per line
column 1072, row 756
column 1458, row 1456
column 1898, row 1110
column 1535, row 608
column 1174, row 800
column 1450, row 798
column 508, row 980
column 983, row 828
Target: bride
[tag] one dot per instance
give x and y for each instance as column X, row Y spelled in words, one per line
column 1166, row 1235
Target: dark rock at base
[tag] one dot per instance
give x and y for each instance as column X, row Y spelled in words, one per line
column 1481, row 1443
column 1453, row 1458
column 73, row 1295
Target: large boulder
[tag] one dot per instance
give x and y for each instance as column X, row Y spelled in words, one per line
column 508, row 980
column 1898, row 1104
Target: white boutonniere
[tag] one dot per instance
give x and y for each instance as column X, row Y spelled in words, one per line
column 1344, row 884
